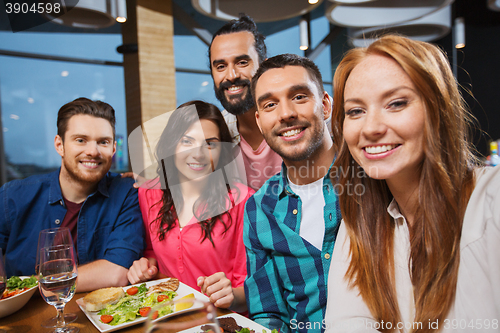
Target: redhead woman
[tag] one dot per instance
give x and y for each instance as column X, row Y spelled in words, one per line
column 193, row 217
column 419, row 246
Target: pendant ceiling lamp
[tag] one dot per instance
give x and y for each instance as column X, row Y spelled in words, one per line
column 428, row 28
column 94, row 14
column 381, row 12
column 494, row 5
column 349, row 2
column 259, row 10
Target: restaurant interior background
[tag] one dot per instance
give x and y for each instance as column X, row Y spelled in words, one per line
column 163, row 61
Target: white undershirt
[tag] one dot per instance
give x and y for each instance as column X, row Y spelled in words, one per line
column 312, row 224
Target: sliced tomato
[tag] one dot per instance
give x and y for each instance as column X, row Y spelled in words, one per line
column 144, row 311
column 154, row 315
column 162, row 297
column 106, row 318
column 132, row 290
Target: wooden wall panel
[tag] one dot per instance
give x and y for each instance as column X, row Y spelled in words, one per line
column 149, row 72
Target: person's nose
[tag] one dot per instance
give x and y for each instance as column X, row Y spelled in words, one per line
column 199, row 152
column 374, row 125
column 287, row 111
column 232, row 73
column 92, row 149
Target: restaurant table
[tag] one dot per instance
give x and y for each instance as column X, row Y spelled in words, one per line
column 29, row 317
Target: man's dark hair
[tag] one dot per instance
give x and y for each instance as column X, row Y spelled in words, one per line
column 288, row 59
column 244, row 23
column 84, row 106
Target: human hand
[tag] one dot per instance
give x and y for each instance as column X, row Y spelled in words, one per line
column 218, row 288
column 142, row 270
column 139, row 180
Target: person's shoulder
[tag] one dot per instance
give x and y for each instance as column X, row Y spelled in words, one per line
column 35, row 180
column 241, row 192
column 489, row 177
column 113, row 177
column 118, row 184
column 270, row 187
column 236, row 186
column 151, row 189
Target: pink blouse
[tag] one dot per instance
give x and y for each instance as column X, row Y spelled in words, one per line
column 180, row 254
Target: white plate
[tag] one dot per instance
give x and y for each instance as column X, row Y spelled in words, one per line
column 182, row 291
column 14, row 303
column 240, row 320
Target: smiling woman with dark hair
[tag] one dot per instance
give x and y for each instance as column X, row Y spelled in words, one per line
column 193, row 216
column 420, row 246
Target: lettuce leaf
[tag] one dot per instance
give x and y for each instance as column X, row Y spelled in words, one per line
column 15, row 282
column 127, row 308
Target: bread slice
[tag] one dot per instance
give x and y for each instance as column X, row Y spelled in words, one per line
column 98, row 299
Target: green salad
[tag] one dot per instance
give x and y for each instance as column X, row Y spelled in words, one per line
column 15, row 282
column 129, row 307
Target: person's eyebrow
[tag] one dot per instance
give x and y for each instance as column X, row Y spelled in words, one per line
column 74, row 136
column 263, row 97
column 243, row 57
column 105, row 138
column 212, row 139
column 299, row 87
column 84, row 136
column 384, row 95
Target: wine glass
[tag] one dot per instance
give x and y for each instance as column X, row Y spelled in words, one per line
column 47, row 238
column 3, row 276
column 57, row 275
column 3, row 280
column 195, row 314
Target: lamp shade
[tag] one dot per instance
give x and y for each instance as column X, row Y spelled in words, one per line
column 382, row 12
column 90, row 13
column 347, row 2
column 494, row 5
column 428, row 28
column 259, row 10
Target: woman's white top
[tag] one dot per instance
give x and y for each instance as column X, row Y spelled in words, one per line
column 477, row 304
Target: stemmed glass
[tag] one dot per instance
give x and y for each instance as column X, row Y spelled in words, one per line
column 3, row 280
column 47, row 238
column 195, row 313
column 3, row 276
column 57, row 273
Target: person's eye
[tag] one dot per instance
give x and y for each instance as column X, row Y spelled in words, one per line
column 79, row 140
column 299, row 97
column 398, row 104
column 243, row 63
column 185, row 141
column 104, row 142
column 269, row 106
column 212, row 144
column 220, row 67
column 354, row 112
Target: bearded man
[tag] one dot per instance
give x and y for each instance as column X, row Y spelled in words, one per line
column 235, row 53
column 100, row 208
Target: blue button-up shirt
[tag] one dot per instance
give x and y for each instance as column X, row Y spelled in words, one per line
column 109, row 223
column 287, row 276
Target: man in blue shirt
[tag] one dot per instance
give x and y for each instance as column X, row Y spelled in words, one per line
column 101, row 209
column 292, row 221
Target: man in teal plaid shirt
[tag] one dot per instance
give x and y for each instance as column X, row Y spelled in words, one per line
column 291, row 223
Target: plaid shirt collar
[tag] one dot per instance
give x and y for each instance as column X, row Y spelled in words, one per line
column 283, row 186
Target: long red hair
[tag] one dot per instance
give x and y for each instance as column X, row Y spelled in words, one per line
column 445, row 185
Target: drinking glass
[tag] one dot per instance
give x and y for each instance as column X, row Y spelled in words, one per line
column 195, row 314
column 47, row 238
column 3, row 276
column 3, row 280
column 57, row 275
